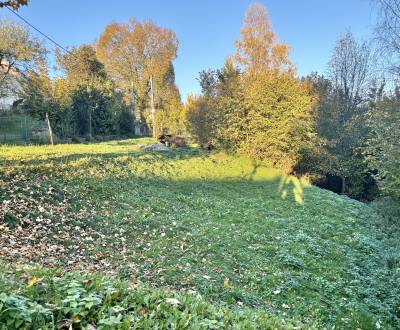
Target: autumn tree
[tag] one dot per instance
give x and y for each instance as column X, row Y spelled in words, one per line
column 135, row 53
column 37, row 92
column 229, row 114
column 201, row 111
column 81, row 65
column 20, row 52
column 258, row 49
column 14, row 4
column 198, row 119
column 169, row 119
column 279, row 112
column 255, row 105
column 91, row 97
column 169, row 116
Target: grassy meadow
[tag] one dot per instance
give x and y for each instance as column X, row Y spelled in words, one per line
column 202, row 227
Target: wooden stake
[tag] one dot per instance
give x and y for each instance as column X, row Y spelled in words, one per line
column 49, row 127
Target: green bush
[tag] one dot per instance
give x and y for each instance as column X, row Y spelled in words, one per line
column 77, row 139
column 389, row 209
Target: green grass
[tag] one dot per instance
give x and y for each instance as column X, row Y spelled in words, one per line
column 239, row 233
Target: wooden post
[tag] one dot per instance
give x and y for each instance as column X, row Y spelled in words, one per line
column 49, row 127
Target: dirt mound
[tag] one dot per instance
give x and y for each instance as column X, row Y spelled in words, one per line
column 156, row 147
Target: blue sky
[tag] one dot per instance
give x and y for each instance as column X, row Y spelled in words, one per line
column 207, row 29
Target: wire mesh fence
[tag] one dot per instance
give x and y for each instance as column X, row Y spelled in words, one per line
column 20, row 129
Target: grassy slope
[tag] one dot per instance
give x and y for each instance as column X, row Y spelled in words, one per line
column 211, row 223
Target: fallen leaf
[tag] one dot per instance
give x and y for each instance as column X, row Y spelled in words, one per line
column 76, row 319
column 172, row 301
column 134, row 282
column 226, row 283
column 32, row 281
column 143, row 311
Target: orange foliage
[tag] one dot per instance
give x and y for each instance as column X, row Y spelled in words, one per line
column 258, row 49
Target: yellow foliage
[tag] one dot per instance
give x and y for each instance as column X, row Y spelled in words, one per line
column 32, row 281
column 258, row 49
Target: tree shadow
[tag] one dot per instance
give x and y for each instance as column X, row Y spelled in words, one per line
column 283, row 185
column 286, row 184
column 173, row 154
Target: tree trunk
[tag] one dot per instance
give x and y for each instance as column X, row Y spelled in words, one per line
column 153, row 110
column 343, row 188
column 133, row 107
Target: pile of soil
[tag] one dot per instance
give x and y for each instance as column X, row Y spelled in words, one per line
column 156, row 147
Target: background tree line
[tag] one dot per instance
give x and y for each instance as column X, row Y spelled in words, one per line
column 341, row 129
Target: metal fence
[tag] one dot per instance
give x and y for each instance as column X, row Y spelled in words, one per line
column 19, row 129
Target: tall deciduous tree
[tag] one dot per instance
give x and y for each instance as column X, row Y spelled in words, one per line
column 230, row 111
column 81, row 65
column 279, row 112
column 90, row 93
column 255, row 104
column 169, row 115
column 382, row 149
column 258, row 49
column 349, row 70
column 37, row 92
column 344, row 115
column 388, row 33
column 198, row 119
column 19, row 50
column 134, row 53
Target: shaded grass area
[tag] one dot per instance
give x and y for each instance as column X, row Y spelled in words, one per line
column 235, row 231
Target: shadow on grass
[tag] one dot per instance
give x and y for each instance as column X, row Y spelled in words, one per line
column 57, row 157
column 283, row 187
column 154, row 165
column 286, row 184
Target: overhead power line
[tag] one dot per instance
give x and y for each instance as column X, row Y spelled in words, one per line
column 36, row 29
